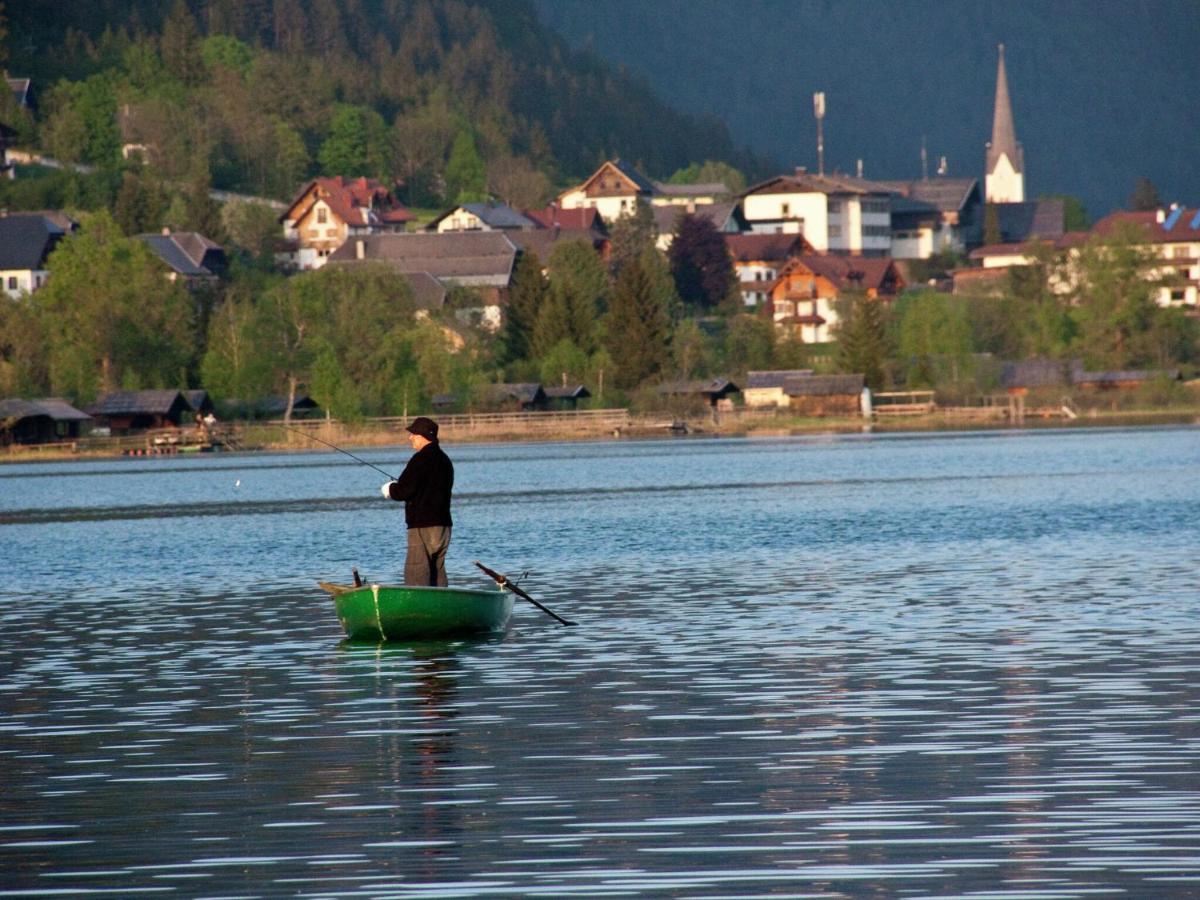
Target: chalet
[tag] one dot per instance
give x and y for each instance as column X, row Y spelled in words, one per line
column 522, row 397
column 835, row 213
column 567, row 396
column 190, row 257
column 127, row 411
column 759, row 258
column 26, row 241
column 765, row 388
column 933, row 215
column 481, row 217
column 613, row 190
column 689, row 196
column 328, row 211
column 482, row 260
column 825, row 395
column 804, row 295
column 712, row 391
column 40, row 421
column 1172, row 235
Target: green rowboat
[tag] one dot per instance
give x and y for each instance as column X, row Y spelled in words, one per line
column 376, row 612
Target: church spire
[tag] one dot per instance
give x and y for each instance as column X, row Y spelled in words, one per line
column 1005, row 175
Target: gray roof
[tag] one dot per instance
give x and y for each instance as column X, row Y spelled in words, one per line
column 1029, row 373
column 467, row 257
column 644, row 184
column 702, row 189
column 186, row 252
column 1004, row 132
column 120, row 403
column 1031, row 220
column 427, row 291
column 823, row 385
column 52, row 407
column 526, row 392
column 773, row 378
column 494, row 215
column 575, row 391
column 714, row 386
column 26, row 240
column 666, row 216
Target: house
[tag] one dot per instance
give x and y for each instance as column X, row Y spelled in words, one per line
column 522, row 397
column 328, row 211
column 613, row 190
column 199, row 401
column 825, row 395
column 932, row 215
column 712, row 391
column 726, row 218
column 41, row 421
column 126, row 411
column 835, row 213
column 765, row 387
column 1172, row 235
column 26, row 241
column 481, row 217
column 1019, row 377
column 567, row 396
column 1033, row 220
column 689, row 196
column 190, row 257
column 482, row 260
column 804, row 295
column 759, row 258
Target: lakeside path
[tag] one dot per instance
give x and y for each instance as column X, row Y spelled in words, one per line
column 254, row 438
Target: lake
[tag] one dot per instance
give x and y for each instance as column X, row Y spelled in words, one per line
column 867, row 665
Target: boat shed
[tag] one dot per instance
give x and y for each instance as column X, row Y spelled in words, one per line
column 825, row 395
column 41, row 421
column 520, row 397
column 764, row 387
column 567, row 396
column 713, row 391
column 126, row 411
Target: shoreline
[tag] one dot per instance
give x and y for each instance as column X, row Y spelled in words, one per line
column 368, row 436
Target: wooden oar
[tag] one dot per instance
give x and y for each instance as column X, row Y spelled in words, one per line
column 505, row 583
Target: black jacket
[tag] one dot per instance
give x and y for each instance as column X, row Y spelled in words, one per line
column 425, row 486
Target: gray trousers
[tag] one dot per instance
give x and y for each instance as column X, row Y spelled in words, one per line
column 425, row 562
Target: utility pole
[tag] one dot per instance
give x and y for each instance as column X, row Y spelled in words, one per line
column 819, row 112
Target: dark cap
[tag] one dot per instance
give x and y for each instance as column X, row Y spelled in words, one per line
column 426, row 428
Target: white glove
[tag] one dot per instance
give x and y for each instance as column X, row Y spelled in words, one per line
column 386, row 490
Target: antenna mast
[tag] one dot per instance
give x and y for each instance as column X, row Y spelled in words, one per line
column 819, row 112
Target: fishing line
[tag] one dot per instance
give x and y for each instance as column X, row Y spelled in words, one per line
column 313, row 437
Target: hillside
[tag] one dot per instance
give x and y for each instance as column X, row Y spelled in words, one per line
column 457, row 97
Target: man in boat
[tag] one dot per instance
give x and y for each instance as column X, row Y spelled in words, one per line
column 424, row 487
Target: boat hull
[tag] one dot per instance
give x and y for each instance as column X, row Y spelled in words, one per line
column 376, row 612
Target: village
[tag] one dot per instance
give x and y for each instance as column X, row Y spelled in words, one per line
column 800, row 247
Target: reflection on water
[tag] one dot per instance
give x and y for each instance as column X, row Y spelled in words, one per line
column 934, row 667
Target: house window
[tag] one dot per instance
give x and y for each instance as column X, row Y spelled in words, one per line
column 835, row 231
column 322, row 215
column 12, row 282
column 785, row 209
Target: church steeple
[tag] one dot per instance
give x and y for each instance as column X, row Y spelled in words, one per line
column 1004, row 179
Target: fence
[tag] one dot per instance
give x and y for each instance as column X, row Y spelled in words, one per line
column 464, row 426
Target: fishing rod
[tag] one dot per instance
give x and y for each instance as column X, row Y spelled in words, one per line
column 313, row 437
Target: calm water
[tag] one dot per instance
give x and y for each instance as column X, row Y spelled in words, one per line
column 880, row 666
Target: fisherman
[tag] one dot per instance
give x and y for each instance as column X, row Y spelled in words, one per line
column 424, row 486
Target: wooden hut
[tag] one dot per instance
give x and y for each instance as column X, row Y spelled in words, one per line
column 41, row 421
column 127, row 411
column 567, row 396
column 825, row 395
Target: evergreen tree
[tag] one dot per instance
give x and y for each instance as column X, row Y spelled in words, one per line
column 526, row 297
column 862, row 340
column 701, row 264
column 466, row 174
column 638, row 324
column 357, row 144
column 632, row 234
column 180, row 45
column 579, row 279
column 1145, row 196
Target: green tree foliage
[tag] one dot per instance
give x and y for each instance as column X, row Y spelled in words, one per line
column 862, row 339
column 1113, row 305
column 140, row 204
column 526, row 297
column 701, row 265
column 710, row 172
column 357, row 144
column 1075, row 214
column 579, row 282
column 749, row 343
column 112, row 318
column 180, row 44
column 23, row 361
column 934, row 341
column 631, row 236
column 1037, row 311
column 466, row 174
column 252, row 227
column 82, row 124
column 638, row 324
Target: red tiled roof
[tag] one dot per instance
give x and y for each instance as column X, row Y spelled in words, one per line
column 871, row 271
column 1185, row 224
column 774, row 247
column 360, row 202
column 569, row 219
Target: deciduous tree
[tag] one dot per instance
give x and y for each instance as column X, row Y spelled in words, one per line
column 701, row 264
